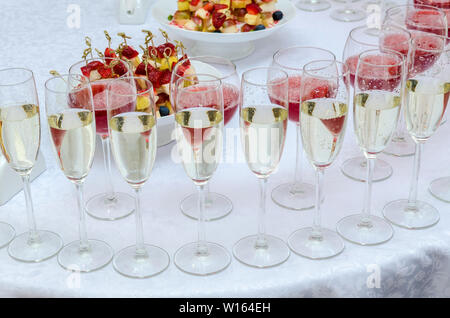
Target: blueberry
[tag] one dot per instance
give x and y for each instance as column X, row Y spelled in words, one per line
column 259, row 27
column 217, row 31
column 164, row 111
column 277, row 15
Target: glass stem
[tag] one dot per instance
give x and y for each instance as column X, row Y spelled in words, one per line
column 33, row 234
column 317, row 220
column 107, row 163
column 261, row 241
column 84, row 243
column 202, row 249
column 412, row 200
column 140, row 248
column 365, row 220
column 298, row 161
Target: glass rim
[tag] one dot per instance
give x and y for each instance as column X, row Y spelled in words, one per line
column 144, row 92
column 384, row 51
column 361, row 27
column 30, row 72
column 341, row 74
column 277, row 81
column 230, row 63
column 214, row 79
column 61, row 77
column 415, row 6
column 278, row 52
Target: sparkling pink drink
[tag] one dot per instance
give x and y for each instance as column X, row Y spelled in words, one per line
column 314, row 88
column 230, row 101
column 99, row 92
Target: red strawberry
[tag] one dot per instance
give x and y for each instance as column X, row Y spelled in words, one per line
column 247, row 28
column 129, row 52
column 86, row 70
column 162, row 98
column 105, row 72
column 218, row 19
column 253, row 8
column 120, row 69
column 140, row 70
column 194, row 2
column 220, row 6
column 209, row 6
column 167, row 48
column 109, row 54
column 165, row 77
column 153, row 76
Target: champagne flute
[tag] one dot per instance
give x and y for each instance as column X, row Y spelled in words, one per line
column 71, row 120
column 199, row 128
column 378, row 93
column 297, row 195
column 264, row 115
column 133, row 139
column 427, row 94
column 313, row 5
column 348, row 13
column 361, row 39
column 111, row 205
column 217, row 205
column 20, row 137
column 323, row 119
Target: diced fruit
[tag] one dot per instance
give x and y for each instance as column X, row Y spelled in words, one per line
column 218, row 19
column 253, row 8
column 105, row 72
column 251, row 19
column 129, row 52
column 120, row 69
column 247, row 28
column 259, row 27
column 86, row 70
column 277, row 15
column 183, row 5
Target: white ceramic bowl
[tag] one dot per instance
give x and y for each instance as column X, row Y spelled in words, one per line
column 230, row 45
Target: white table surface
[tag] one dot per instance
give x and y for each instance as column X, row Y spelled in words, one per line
column 34, row 34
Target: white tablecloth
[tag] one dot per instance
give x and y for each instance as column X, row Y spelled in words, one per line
column 34, row 34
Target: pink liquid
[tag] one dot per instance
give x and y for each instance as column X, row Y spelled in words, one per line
column 230, row 102
column 314, row 88
column 372, row 77
column 443, row 4
column 426, row 21
column 119, row 104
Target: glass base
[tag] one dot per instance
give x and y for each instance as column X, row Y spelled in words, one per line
column 190, row 261
column 303, row 243
column 103, row 208
column 7, row 233
column 313, row 5
column 401, row 147
column 46, row 246
column 348, row 15
column 301, row 197
column 141, row 265
column 217, row 206
column 275, row 251
column 97, row 256
column 422, row 216
column 372, row 231
column 356, row 169
column 440, row 189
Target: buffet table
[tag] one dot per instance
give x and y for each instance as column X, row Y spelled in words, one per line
column 35, row 34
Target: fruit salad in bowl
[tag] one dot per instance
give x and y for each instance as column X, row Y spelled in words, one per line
column 226, row 16
column 225, row 28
